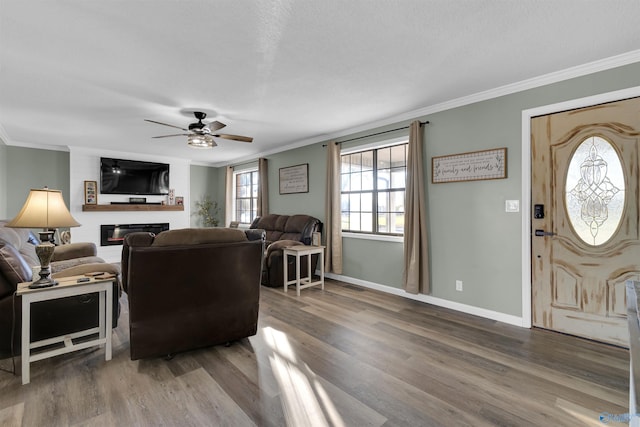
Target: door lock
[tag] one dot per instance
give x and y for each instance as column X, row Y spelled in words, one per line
column 538, row 211
column 542, row 233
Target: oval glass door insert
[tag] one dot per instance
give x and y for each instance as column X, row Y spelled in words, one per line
column 595, row 191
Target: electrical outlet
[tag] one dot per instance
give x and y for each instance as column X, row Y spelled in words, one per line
column 459, row 285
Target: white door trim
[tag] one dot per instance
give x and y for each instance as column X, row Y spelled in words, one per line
column 526, row 177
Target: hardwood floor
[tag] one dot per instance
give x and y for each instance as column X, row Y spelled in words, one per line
column 346, row 356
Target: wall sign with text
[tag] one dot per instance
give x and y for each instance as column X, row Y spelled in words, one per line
column 474, row 166
column 294, row 179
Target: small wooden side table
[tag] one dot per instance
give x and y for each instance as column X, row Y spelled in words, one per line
column 68, row 286
column 298, row 252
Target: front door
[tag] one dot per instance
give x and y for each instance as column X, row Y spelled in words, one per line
column 585, row 241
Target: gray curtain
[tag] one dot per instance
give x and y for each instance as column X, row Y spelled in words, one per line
column 263, row 188
column 333, row 224
column 415, row 276
column 228, row 197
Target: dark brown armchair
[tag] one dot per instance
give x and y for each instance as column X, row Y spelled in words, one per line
column 191, row 288
column 283, row 231
column 49, row 318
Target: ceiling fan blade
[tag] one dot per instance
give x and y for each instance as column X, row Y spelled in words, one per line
column 214, row 126
column 165, row 124
column 169, row 136
column 234, row 137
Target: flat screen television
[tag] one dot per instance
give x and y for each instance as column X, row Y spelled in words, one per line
column 119, row 176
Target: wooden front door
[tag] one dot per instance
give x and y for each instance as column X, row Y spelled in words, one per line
column 585, row 241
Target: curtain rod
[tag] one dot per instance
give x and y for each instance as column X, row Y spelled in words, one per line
column 246, row 163
column 376, row 134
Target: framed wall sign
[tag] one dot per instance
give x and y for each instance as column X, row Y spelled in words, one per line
column 473, row 166
column 90, row 193
column 294, row 179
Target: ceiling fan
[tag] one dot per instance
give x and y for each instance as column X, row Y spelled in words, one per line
column 199, row 134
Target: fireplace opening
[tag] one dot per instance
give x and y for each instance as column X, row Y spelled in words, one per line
column 113, row 234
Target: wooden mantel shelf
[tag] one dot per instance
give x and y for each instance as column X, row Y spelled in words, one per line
column 140, row 207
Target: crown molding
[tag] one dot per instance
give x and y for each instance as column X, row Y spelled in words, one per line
column 3, row 135
column 38, row 146
column 543, row 80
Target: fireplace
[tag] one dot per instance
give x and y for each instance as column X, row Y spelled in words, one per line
column 113, row 234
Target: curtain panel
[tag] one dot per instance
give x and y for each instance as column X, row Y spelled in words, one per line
column 415, row 276
column 333, row 224
column 263, row 188
column 228, row 197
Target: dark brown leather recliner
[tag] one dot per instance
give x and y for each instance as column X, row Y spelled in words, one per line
column 191, row 288
column 283, row 231
column 48, row 318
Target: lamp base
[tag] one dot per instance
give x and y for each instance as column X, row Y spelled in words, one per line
column 44, row 251
column 43, row 283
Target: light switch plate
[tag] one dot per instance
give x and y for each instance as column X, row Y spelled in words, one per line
column 512, row 206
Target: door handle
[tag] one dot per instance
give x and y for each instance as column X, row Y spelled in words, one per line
column 542, row 233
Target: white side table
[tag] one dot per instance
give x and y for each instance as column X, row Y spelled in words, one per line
column 68, row 286
column 298, row 252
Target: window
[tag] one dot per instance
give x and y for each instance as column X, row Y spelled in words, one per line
column 594, row 191
column 245, row 195
column 373, row 184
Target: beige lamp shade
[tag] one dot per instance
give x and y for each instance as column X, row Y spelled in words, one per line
column 44, row 208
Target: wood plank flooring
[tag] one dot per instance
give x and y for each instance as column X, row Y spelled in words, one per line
column 345, row 356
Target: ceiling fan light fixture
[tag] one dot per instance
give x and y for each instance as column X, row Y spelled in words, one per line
column 200, row 141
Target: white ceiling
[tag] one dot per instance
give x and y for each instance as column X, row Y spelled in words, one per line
column 85, row 73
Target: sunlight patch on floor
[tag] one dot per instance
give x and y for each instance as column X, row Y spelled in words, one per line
column 583, row 417
column 305, row 402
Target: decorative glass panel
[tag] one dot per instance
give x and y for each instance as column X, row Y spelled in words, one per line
column 595, row 191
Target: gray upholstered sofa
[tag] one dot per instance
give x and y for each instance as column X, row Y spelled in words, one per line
column 49, row 318
column 283, row 231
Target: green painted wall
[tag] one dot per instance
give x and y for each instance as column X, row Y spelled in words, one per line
column 29, row 168
column 471, row 237
column 204, row 182
column 311, row 203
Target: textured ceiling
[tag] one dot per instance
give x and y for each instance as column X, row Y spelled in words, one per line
column 86, row 73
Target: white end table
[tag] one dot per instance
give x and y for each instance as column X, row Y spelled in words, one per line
column 298, row 252
column 68, row 286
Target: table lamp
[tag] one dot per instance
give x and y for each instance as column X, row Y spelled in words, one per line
column 44, row 209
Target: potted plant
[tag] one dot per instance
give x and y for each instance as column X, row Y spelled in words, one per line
column 207, row 210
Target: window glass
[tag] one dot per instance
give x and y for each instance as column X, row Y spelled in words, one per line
column 373, row 183
column 595, row 191
column 246, row 196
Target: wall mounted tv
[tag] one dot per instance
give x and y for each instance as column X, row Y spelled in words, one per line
column 118, row 176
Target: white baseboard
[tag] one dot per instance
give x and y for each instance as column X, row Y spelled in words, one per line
column 464, row 308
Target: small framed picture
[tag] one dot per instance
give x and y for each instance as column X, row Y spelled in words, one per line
column 316, row 239
column 90, row 193
column 180, row 201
